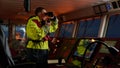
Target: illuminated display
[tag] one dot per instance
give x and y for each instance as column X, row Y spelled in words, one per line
column 83, row 43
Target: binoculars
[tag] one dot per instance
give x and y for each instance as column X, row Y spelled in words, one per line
column 50, row 14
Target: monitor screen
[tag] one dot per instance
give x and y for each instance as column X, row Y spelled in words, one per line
column 81, row 47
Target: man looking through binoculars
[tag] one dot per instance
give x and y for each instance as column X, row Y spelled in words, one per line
column 37, row 30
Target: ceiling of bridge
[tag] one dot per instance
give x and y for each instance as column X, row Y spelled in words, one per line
column 14, row 9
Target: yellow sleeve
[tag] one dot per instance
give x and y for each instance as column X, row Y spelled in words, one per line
column 54, row 26
column 33, row 31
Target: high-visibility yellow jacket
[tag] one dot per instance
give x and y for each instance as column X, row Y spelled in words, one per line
column 36, row 32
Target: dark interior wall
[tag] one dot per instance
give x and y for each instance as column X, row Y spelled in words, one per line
column 85, row 12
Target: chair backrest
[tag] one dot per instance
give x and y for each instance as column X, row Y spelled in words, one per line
column 5, row 54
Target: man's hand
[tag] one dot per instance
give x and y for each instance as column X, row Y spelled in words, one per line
column 47, row 37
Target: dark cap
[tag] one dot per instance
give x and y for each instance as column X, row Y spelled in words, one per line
column 39, row 9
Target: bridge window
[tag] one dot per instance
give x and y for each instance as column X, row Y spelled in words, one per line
column 113, row 27
column 88, row 28
column 20, row 32
column 66, row 30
